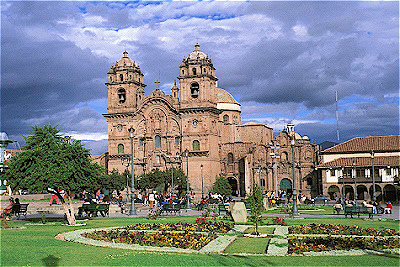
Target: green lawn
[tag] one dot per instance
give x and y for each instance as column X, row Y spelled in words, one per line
column 251, row 245
column 36, row 246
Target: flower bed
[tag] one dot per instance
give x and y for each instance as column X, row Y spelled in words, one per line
column 317, row 244
column 159, row 239
column 215, row 227
column 331, row 229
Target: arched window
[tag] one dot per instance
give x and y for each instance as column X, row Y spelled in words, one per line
column 141, row 141
column 194, row 71
column 177, row 140
column 226, row 118
column 183, row 72
column 157, row 141
column 122, row 95
column 196, row 145
column 121, row 77
column 121, row 149
column 230, row 158
column 194, row 89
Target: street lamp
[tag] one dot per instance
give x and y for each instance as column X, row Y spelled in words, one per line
column 133, row 209
column 125, row 162
column 343, row 195
column 373, row 177
column 295, row 211
column 275, row 155
column 186, row 153
column 202, row 182
column 355, row 181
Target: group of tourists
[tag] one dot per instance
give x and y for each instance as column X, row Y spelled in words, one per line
column 377, row 207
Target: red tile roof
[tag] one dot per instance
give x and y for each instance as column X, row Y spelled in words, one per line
column 367, row 144
column 362, row 162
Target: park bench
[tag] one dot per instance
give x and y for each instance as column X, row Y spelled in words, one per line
column 17, row 210
column 171, row 208
column 358, row 210
column 93, row 209
column 222, row 208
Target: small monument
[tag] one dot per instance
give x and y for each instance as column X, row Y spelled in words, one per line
column 238, row 211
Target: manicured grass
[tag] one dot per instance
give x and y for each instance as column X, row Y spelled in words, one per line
column 251, row 245
column 36, row 246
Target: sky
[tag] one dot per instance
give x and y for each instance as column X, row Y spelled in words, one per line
column 282, row 61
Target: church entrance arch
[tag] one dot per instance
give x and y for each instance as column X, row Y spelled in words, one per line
column 234, row 185
column 286, row 185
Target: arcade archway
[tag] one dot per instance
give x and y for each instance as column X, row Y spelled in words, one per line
column 333, row 191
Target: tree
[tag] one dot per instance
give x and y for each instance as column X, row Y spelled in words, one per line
column 50, row 160
column 116, row 180
column 256, row 206
column 221, row 186
column 162, row 180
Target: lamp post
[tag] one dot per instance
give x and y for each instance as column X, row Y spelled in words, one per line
column 202, row 182
column 172, row 175
column 186, row 153
column 295, row 211
column 373, row 177
column 125, row 162
column 343, row 195
column 133, row 209
column 275, row 155
column 355, row 181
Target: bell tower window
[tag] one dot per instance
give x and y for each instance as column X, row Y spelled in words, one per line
column 122, row 95
column 194, row 89
column 121, row 77
column 194, row 71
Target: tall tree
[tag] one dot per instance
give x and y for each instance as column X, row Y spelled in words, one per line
column 50, row 160
column 256, row 207
column 221, row 186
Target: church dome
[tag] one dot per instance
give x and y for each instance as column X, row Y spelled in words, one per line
column 125, row 61
column 197, row 53
column 225, row 100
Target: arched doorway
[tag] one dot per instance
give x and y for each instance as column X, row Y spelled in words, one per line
column 378, row 192
column 389, row 193
column 362, row 192
column 333, row 191
column 348, row 192
column 234, row 185
column 286, row 185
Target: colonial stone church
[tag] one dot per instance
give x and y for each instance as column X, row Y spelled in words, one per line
column 199, row 128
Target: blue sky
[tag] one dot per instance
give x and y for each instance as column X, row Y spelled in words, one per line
column 283, row 61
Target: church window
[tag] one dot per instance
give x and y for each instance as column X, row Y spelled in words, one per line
column 194, row 89
column 119, row 127
column 121, row 149
column 262, row 182
column 157, row 141
column 205, row 70
column 122, row 95
column 183, row 72
column 230, row 158
column 141, row 141
column 226, row 118
column 130, row 77
column 196, row 145
column 194, row 71
column 195, row 123
column 121, row 77
column 177, row 140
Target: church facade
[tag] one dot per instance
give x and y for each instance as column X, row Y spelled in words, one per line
column 198, row 128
